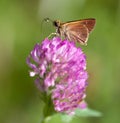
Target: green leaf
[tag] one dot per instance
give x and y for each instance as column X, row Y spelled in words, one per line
column 66, row 118
column 87, row 113
column 52, row 118
column 60, row 118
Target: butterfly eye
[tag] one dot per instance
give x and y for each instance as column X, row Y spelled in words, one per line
column 56, row 23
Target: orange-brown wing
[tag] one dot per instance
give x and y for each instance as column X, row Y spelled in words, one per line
column 78, row 33
column 78, row 30
column 89, row 23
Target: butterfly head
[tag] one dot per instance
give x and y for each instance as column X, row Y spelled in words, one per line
column 56, row 23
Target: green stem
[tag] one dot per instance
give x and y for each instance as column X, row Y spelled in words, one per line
column 48, row 109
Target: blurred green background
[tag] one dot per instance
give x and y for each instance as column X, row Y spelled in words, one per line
column 20, row 29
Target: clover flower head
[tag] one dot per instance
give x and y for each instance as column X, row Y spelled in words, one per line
column 60, row 68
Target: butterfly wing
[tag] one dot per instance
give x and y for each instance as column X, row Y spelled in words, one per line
column 89, row 23
column 77, row 33
column 78, row 30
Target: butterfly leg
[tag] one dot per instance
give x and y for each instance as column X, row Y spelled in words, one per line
column 53, row 34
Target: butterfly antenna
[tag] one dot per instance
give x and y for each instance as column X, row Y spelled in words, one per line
column 45, row 20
